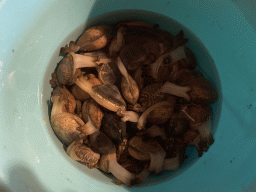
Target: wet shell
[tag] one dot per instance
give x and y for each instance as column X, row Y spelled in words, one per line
column 161, row 114
column 110, row 93
column 164, row 73
column 71, row 104
column 117, row 43
column 132, row 165
column 101, row 144
column 113, row 127
column 80, row 94
column 106, row 74
column 83, row 154
column 65, row 70
column 65, row 127
column 202, row 91
column 132, row 55
column 150, row 95
column 63, row 94
column 190, row 135
column 91, row 108
column 94, row 38
column 144, row 144
column 138, row 78
column 130, row 90
column 178, row 124
column 142, row 156
column 199, row 113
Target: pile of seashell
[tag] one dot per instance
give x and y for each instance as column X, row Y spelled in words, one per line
column 128, row 100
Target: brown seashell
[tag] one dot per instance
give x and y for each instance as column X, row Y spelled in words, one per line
column 117, row 42
column 65, row 71
column 71, row 104
column 91, row 108
column 161, row 114
column 65, row 127
column 137, row 76
column 63, row 94
column 133, row 55
column 101, row 144
column 113, row 127
column 199, row 113
column 80, row 94
column 83, row 154
column 142, row 156
column 150, row 95
column 94, row 38
column 54, row 81
column 165, row 37
column 130, row 90
column 202, row 91
column 178, row 123
column 110, row 93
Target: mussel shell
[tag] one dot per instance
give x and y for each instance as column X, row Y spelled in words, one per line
column 110, row 93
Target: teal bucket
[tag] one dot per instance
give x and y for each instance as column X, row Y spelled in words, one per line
column 222, row 36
